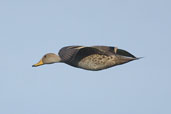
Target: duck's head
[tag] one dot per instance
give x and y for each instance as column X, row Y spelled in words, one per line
column 48, row 58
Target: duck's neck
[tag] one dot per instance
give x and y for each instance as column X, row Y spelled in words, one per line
column 57, row 59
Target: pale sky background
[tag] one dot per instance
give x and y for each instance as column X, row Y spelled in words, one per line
column 29, row 29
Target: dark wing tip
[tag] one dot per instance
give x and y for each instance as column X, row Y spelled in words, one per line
column 124, row 53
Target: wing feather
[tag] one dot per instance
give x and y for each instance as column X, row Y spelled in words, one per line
column 67, row 53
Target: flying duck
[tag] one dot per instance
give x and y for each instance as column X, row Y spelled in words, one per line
column 90, row 58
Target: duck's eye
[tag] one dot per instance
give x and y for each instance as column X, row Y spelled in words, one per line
column 45, row 56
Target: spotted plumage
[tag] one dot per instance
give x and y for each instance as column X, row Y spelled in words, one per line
column 89, row 58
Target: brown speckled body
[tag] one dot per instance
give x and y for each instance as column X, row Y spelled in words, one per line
column 99, row 62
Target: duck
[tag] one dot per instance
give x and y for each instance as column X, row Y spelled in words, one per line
column 92, row 58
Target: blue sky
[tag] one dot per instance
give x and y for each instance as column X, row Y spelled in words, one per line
column 29, row 29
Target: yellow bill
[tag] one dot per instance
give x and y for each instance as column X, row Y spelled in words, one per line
column 38, row 64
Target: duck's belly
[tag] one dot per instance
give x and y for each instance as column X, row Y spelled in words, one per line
column 97, row 62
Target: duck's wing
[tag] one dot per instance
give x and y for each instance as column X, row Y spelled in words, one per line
column 73, row 54
column 67, row 53
column 105, row 49
column 87, row 51
column 109, row 50
column 124, row 53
